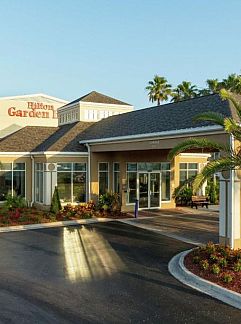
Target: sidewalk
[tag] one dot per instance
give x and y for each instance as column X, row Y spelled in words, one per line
column 196, row 226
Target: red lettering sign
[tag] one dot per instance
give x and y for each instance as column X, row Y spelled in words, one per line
column 14, row 112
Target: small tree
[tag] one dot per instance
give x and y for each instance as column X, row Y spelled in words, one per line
column 55, row 203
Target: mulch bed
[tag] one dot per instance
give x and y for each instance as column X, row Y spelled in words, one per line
column 195, row 268
column 26, row 216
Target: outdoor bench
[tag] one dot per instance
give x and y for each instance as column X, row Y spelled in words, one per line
column 199, row 201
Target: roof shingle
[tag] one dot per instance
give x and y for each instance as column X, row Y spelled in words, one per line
column 168, row 117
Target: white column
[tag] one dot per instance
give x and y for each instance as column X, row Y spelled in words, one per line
column 50, row 181
column 229, row 215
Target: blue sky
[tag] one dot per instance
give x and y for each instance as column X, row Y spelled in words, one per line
column 67, row 48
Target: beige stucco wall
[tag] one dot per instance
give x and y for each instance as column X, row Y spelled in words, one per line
column 33, row 111
column 153, row 144
column 124, row 157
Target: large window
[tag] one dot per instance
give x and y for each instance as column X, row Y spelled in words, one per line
column 103, row 177
column 71, row 180
column 116, row 177
column 39, row 182
column 165, row 181
column 12, row 179
column 187, row 170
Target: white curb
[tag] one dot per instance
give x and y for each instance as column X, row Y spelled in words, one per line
column 179, row 271
column 18, row 228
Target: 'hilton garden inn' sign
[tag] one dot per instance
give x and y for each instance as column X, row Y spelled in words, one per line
column 28, row 110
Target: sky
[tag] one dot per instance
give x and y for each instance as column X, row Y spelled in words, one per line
column 67, row 48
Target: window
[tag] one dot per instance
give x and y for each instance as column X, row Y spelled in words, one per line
column 116, row 177
column 12, row 180
column 131, row 182
column 165, row 181
column 186, row 171
column 39, row 182
column 103, row 177
column 71, row 181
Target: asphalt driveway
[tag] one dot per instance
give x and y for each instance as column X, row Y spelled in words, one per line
column 103, row 273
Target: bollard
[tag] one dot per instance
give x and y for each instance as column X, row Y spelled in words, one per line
column 136, row 208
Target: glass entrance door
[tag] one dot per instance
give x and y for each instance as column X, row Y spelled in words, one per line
column 149, row 189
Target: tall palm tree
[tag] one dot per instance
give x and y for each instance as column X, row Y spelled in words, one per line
column 230, row 158
column 184, row 90
column 158, row 89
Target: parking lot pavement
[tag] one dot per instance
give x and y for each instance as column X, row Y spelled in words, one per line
column 102, row 273
column 197, row 226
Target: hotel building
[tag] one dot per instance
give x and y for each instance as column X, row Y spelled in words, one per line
column 101, row 144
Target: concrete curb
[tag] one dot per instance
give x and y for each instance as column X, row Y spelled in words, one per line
column 19, row 228
column 180, row 272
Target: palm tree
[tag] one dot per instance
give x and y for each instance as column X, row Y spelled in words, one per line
column 232, row 83
column 230, row 158
column 158, row 89
column 183, row 91
column 214, row 85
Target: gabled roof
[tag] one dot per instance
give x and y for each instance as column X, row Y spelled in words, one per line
column 35, row 96
column 159, row 119
column 41, row 139
column 97, row 97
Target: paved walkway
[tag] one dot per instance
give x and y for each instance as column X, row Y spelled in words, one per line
column 186, row 224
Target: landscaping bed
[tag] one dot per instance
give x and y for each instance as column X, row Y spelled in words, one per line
column 216, row 263
column 15, row 212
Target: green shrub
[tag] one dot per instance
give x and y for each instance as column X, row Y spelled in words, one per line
column 196, row 259
column 13, row 202
column 109, row 201
column 204, row 265
column 212, row 191
column 210, row 248
column 222, row 262
column 213, row 257
column 237, row 267
column 227, row 278
column 183, row 195
column 55, row 203
column 215, row 269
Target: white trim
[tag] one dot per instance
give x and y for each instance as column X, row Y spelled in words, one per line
column 35, row 95
column 207, row 155
column 89, row 173
column 174, row 133
column 15, row 153
column 45, row 153
column 61, row 153
column 233, row 214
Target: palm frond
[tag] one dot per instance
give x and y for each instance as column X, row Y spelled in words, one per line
column 225, row 163
column 197, row 143
column 225, row 94
column 211, row 116
column 233, row 128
